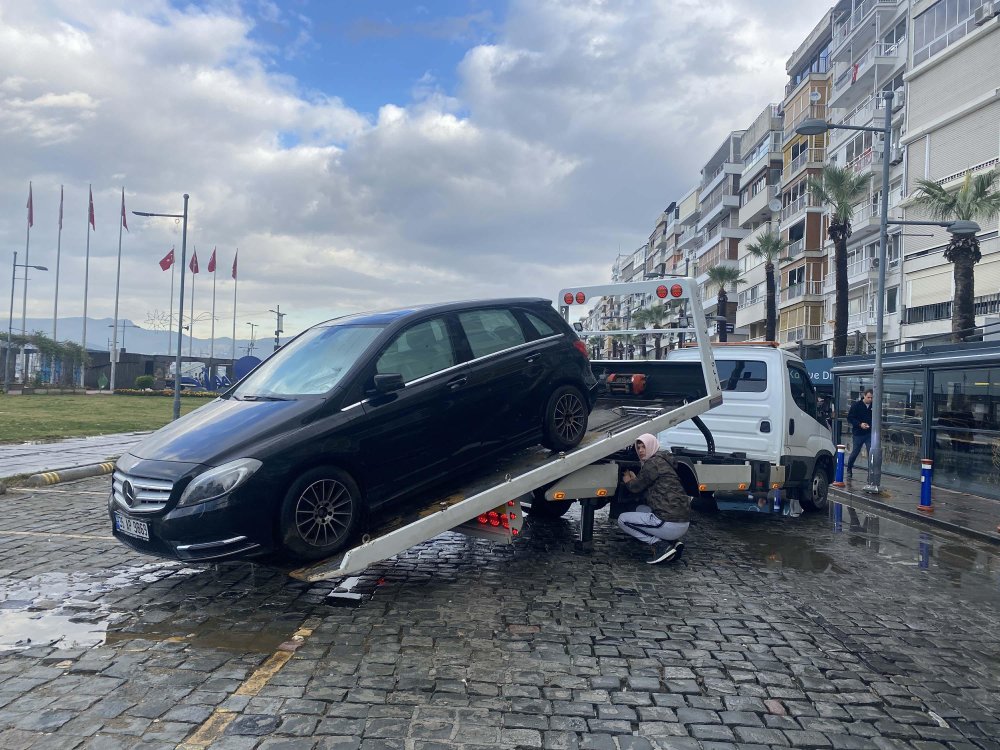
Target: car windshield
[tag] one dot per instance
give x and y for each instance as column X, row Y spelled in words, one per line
column 310, row 364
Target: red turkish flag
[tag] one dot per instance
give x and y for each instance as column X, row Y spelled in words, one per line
column 211, row 262
column 235, row 258
column 193, row 265
column 31, row 208
column 90, row 215
column 124, row 222
column 168, row 260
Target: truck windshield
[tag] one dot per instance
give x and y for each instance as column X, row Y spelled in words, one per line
column 310, row 364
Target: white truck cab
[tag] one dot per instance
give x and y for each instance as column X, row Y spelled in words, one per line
column 768, row 413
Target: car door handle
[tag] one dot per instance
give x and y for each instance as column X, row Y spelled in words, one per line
column 791, row 426
column 533, row 357
column 457, row 383
column 765, row 426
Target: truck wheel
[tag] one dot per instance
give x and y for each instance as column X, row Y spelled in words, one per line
column 816, row 493
column 565, row 420
column 320, row 513
column 542, row 508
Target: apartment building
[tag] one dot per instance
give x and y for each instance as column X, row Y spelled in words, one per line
column 718, row 229
column 760, row 206
column 801, row 308
column 952, row 129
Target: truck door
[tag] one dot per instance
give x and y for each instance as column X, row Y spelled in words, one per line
column 805, row 435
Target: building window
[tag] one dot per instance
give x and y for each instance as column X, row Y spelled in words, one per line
column 891, row 298
column 941, row 25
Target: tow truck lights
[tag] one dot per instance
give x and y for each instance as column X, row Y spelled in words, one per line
column 579, row 298
column 675, row 291
column 495, row 519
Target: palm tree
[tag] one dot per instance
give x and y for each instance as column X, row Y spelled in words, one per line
column 976, row 198
column 639, row 320
column 840, row 188
column 724, row 276
column 768, row 247
column 656, row 316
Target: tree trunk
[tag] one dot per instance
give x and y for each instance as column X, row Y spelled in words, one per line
column 722, row 304
column 839, row 236
column 963, row 307
column 770, row 305
column 657, row 340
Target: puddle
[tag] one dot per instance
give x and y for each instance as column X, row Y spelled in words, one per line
column 211, row 633
column 778, row 549
column 24, row 629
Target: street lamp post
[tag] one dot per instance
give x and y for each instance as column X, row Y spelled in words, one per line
column 959, row 228
column 180, row 306
column 10, row 319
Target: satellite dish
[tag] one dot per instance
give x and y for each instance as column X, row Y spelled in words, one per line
column 774, row 205
column 815, row 96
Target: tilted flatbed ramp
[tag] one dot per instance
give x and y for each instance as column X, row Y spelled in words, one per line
column 610, row 429
column 614, row 424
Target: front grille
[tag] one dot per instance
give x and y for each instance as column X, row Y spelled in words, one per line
column 150, row 494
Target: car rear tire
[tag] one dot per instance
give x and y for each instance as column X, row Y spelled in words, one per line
column 565, row 419
column 816, row 493
column 320, row 514
column 542, row 508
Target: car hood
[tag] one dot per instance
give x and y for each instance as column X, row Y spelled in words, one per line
column 215, row 431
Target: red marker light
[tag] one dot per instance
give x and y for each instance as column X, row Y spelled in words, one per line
column 580, row 298
column 661, row 291
column 483, row 519
column 568, row 298
column 676, row 290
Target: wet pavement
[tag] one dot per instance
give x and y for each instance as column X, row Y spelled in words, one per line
column 35, row 457
column 845, row 629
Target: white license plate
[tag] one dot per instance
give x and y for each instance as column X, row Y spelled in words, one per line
column 132, row 527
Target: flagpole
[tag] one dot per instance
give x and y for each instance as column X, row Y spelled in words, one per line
column 118, row 277
column 55, row 312
column 86, row 281
column 191, row 316
column 24, row 298
column 235, row 284
column 211, row 350
column 170, row 320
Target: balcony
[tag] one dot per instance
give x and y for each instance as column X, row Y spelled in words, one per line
column 853, row 82
column 757, row 206
column 802, row 289
column 689, row 238
column 811, row 158
column 869, row 113
column 794, row 250
column 861, row 270
column 870, row 160
column 811, row 111
column 799, row 205
column 718, row 205
column 857, row 28
column 859, row 320
column 801, row 333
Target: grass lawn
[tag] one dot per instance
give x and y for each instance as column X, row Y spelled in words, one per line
column 50, row 417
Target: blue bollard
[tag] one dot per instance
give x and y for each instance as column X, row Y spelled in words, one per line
column 926, row 475
column 838, row 517
column 777, row 500
column 925, row 551
column 838, row 477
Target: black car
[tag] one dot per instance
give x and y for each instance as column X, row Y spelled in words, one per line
column 348, row 417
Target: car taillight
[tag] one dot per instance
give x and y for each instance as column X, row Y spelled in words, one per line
column 582, row 348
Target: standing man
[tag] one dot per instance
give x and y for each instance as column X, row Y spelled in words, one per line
column 661, row 519
column 860, row 417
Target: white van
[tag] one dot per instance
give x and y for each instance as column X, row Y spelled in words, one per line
column 769, row 413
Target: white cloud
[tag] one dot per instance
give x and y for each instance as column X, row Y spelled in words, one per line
column 564, row 140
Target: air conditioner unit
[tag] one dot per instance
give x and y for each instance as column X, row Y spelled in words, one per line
column 896, row 155
column 898, row 99
column 987, row 12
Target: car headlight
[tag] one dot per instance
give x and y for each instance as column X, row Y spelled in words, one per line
column 218, row 481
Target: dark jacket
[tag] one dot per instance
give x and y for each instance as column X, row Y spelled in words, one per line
column 662, row 489
column 860, row 412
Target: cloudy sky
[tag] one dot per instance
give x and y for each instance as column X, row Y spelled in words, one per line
column 364, row 155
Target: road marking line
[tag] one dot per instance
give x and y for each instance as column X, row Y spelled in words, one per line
column 215, row 725
column 57, row 534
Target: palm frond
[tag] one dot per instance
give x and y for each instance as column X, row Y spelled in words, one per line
column 768, row 247
column 725, row 275
column 840, row 188
column 976, row 198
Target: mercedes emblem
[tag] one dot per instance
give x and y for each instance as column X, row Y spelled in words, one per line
column 128, row 492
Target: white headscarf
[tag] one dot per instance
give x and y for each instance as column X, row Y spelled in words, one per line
column 651, row 443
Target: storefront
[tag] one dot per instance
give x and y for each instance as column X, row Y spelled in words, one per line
column 941, row 403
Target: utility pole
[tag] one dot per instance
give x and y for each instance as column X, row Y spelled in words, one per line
column 278, row 329
column 253, row 338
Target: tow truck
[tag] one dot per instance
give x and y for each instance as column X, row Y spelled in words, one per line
column 488, row 505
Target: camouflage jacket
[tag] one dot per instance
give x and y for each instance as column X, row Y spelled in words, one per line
column 661, row 488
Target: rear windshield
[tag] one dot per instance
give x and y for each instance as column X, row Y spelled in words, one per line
column 742, row 375
column 310, row 364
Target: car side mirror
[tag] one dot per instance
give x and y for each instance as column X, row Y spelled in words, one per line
column 578, row 327
column 389, row 382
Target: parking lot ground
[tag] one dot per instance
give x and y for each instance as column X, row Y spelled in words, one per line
column 844, row 630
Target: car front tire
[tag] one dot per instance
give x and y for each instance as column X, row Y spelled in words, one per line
column 816, row 494
column 565, row 420
column 320, row 514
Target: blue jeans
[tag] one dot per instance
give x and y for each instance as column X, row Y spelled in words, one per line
column 858, row 441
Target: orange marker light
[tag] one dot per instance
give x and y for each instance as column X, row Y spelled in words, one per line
column 602, row 492
column 702, row 487
column 559, row 495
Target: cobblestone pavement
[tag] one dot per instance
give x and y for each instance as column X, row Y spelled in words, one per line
column 828, row 631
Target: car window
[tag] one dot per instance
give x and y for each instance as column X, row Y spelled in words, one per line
column 742, row 375
column 421, row 350
column 543, row 328
column 802, row 390
column 310, row 364
column 490, row 331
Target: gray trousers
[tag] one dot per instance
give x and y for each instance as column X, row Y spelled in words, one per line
column 643, row 524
